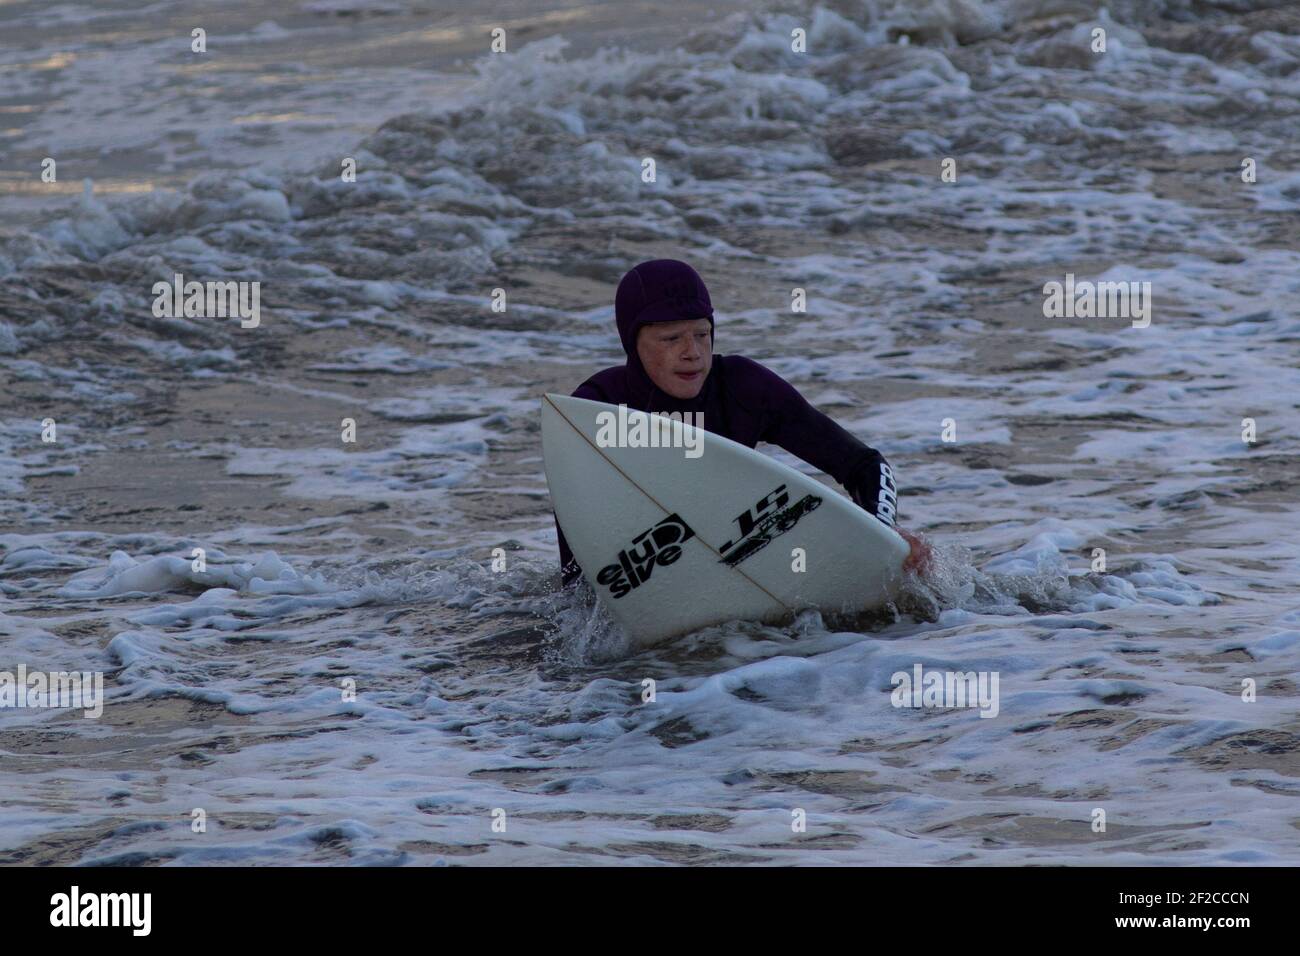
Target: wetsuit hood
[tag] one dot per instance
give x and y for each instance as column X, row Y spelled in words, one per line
column 659, row 290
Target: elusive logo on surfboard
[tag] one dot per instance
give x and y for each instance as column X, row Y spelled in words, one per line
column 771, row 516
column 660, row 545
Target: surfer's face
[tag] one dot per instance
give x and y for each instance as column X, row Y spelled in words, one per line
column 676, row 355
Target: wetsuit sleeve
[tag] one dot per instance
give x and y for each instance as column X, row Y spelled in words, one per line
column 570, row 572
column 806, row 433
column 873, row 489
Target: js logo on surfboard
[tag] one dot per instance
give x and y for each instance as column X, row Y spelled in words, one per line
column 660, row 545
column 772, row 515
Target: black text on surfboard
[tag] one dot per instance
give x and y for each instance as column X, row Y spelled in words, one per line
column 659, row 545
column 769, row 517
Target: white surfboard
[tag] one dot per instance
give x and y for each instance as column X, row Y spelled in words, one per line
column 673, row 543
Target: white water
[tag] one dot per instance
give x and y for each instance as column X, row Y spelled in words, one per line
column 1120, row 690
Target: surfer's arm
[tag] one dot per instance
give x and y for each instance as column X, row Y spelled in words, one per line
column 806, row 433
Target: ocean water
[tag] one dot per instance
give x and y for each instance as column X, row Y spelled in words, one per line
column 497, row 720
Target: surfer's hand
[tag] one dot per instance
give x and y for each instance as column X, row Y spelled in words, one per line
column 919, row 558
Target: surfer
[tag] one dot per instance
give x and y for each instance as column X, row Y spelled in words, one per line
column 665, row 321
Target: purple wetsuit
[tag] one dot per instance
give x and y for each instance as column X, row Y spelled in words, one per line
column 740, row 399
